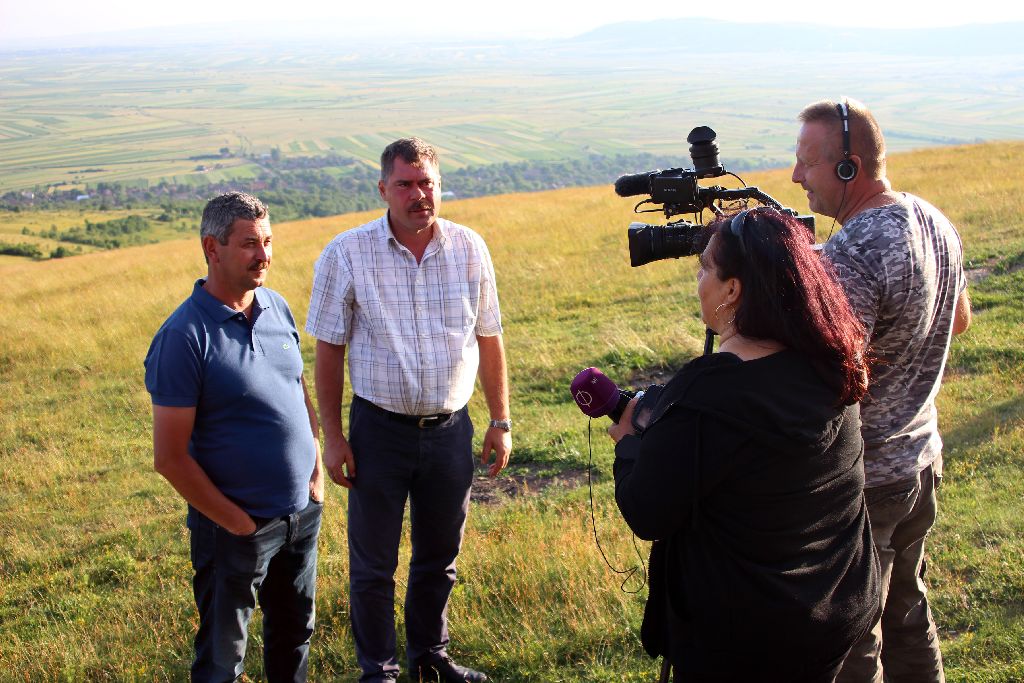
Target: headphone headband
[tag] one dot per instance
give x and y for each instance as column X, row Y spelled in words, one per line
column 846, row 170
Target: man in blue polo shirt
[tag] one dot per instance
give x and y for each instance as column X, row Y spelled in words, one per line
column 235, row 433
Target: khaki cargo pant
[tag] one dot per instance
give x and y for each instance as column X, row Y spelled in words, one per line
column 904, row 642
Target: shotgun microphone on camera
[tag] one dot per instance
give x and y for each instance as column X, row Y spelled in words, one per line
column 632, row 185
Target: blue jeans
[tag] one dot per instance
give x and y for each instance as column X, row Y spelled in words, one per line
column 277, row 565
column 433, row 470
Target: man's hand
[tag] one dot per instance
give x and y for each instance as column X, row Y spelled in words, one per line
column 962, row 313
column 340, row 462
column 498, row 441
column 316, row 482
column 494, row 380
column 245, row 530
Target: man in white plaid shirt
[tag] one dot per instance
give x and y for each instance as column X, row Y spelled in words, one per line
column 412, row 297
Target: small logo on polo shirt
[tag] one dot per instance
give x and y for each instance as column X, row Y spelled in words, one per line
column 286, row 345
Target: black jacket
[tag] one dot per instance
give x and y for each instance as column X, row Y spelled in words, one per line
column 751, row 480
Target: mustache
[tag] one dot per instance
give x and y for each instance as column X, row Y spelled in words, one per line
column 420, row 206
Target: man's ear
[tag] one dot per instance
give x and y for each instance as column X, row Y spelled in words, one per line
column 858, row 163
column 210, row 245
column 380, row 188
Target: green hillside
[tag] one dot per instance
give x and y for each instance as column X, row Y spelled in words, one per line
column 94, row 566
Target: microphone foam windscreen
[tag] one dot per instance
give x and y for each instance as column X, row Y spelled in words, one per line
column 594, row 393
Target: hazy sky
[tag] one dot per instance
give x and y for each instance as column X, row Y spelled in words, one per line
column 22, row 20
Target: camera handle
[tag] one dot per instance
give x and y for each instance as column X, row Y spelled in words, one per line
column 709, row 341
column 717, row 193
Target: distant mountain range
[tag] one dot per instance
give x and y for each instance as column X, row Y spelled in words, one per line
column 710, row 36
column 690, row 35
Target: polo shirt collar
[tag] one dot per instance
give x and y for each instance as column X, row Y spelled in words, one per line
column 217, row 310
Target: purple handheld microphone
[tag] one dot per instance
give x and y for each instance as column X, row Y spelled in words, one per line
column 596, row 395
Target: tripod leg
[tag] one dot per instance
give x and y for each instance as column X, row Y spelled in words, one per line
column 666, row 669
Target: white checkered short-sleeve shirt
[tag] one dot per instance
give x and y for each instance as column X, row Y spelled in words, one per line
column 409, row 328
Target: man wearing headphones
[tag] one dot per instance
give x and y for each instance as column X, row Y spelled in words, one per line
column 900, row 262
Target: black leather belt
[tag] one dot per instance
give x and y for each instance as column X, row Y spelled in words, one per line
column 421, row 421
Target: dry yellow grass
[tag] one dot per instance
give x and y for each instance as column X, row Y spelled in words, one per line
column 93, row 555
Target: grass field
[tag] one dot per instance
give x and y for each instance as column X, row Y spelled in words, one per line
column 94, row 565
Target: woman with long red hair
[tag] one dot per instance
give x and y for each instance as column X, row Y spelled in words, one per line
column 749, row 473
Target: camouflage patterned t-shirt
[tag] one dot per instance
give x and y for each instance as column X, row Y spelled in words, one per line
column 902, row 268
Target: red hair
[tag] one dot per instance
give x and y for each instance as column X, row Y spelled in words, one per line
column 790, row 295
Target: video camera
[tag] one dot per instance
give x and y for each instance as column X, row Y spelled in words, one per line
column 676, row 189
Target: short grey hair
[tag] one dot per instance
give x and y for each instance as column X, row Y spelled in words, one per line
column 221, row 213
column 410, row 150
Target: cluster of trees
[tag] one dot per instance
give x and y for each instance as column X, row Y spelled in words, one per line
column 112, row 234
column 298, row 187
column 317, row 191
column 21, row 249
column 316, row 186
column 532, row 176
column 322, row 161
column 32, row 251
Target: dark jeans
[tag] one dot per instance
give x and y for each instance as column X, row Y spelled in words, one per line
column 277, row 565
column 433, row 469
column 904, row 642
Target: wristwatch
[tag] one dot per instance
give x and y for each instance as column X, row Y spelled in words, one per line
column 504, row 425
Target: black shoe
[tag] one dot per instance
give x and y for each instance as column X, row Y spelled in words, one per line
column 444, row 670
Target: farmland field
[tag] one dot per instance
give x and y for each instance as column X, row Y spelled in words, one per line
column 142, row 115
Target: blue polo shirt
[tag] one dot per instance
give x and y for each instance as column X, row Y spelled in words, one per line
column 251, row 435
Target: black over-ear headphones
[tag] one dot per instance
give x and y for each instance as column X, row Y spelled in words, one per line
column 846, row 170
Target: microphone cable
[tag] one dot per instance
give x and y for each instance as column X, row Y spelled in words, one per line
column 631, row 571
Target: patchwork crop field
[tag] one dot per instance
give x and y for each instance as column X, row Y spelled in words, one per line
column 142, row 115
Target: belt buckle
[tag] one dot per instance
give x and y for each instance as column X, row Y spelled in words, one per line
column 430, row 421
